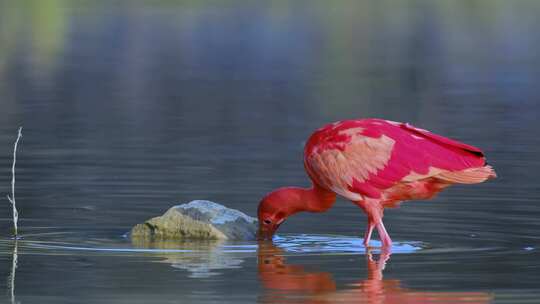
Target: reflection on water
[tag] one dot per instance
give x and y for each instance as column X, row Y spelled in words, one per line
column 289, row 283
column 282, row 281
column 205, row 258
column 202, row 259
column 133, row 106
column 11, row 278
column 313, row 243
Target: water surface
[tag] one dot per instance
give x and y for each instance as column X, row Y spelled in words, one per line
column 131, row 107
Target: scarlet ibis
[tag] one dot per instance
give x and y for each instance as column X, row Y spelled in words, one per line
column 376, row 164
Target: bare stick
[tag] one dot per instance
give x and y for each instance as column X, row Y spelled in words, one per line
column 11, row 279
column 12, row 198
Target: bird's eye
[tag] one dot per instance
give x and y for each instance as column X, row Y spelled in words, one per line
column 268, row 222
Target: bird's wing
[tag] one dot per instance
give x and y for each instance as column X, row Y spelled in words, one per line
column 375, row 155
column 342, row 169
column 441, row 139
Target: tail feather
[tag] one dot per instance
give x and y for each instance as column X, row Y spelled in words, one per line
column 468, row 176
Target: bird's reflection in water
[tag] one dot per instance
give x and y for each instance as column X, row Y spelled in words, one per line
column 287, row 283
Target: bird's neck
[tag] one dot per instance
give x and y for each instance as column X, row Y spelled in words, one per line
column 314, row 199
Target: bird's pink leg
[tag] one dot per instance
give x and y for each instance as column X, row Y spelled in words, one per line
column 369, row 230
column 374, row 211
column 385, row 238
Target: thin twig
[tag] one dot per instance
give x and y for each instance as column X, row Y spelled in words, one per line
column 12, row 198
column 11, row 281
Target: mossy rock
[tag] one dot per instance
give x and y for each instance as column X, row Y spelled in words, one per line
column 198, row 219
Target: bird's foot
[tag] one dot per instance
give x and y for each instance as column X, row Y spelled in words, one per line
column 386, row 243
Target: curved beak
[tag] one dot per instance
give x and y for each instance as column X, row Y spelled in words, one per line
column 266, row 232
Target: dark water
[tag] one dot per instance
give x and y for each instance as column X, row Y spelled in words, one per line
column 131, row 107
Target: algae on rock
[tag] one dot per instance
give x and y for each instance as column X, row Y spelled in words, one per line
column 198, row 220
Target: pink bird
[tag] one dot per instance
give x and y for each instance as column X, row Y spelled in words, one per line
column 376, row 164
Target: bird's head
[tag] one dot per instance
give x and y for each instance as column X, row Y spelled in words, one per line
column 272, row 212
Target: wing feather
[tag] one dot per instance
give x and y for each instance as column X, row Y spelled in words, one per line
column 364, row 157
column 342, row 170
